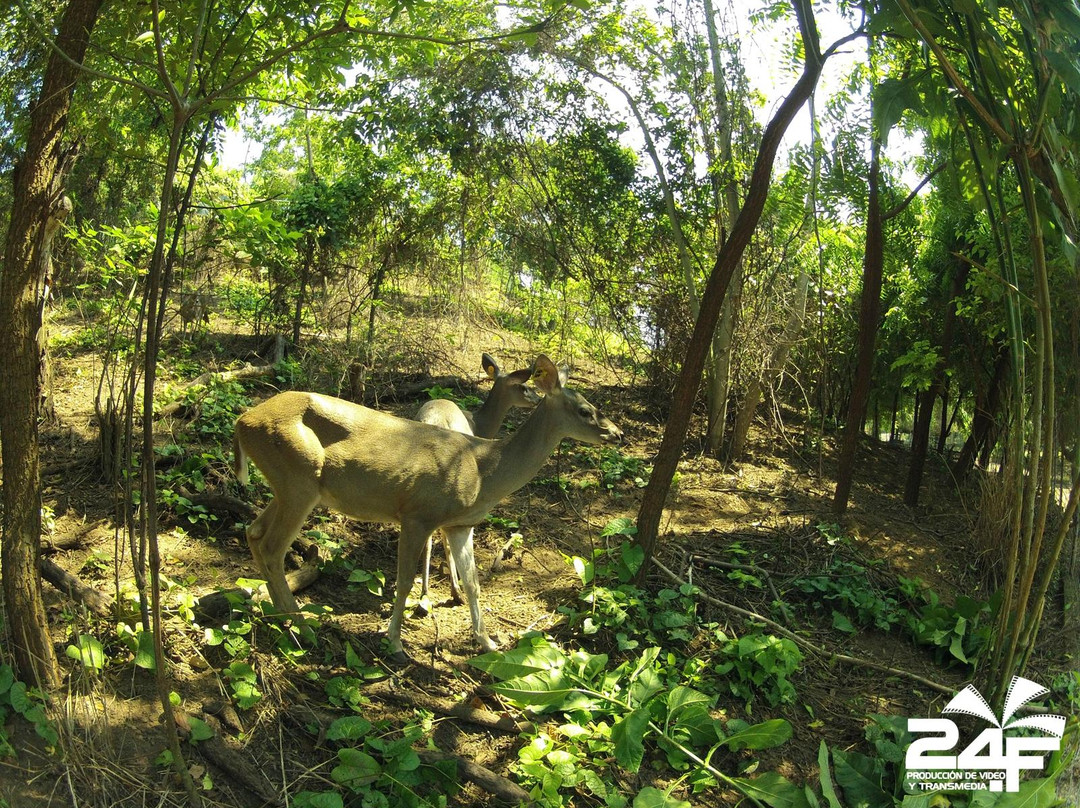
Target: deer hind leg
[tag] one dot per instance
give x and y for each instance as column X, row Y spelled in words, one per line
column 425, row 569
column 425, row 572
column 412, row 542
column 461, row 547
column 451, row 565
column 269, row 538
column 424, row 605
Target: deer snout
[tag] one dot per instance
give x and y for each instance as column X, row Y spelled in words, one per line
column 612, row 434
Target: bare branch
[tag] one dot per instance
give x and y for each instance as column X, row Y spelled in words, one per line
column 897, row 209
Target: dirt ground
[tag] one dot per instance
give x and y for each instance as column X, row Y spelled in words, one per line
column 771, row 504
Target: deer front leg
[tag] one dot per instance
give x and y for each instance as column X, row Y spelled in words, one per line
column 411, row 544
column 460, row 540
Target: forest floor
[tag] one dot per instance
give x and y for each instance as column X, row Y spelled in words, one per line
column 769, row 512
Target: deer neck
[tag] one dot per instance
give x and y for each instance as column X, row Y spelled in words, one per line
column 487, row 420
column 508, row 464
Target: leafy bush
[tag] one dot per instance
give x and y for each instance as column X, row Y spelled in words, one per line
column 466, row 402
column 759, row 663
column 849, row 593
column 29, row 702
column 846, row 589
column 616, row 468
column 620, row 713
column 754, row 665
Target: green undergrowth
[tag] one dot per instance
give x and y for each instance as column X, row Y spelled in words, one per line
column 847, row 592
column 641, row 699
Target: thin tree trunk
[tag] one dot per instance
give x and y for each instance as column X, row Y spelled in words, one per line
column 869, row 314
column 943, row 421
column 920, row 436
column 723, row 341
column 987, row 405
column 38, row 200
column 727, row 261
column 305, row 274
column 895, row 410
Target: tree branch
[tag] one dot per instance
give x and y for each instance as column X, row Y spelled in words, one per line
column 802, row 641
column 897, row 209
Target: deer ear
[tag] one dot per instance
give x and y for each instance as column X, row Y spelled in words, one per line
column 490, row 366
column 546, row 376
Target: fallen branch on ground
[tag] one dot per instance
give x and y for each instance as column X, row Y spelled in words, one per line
column 473, row 715
column 73, row 541
column 482, row 777
column 224, row 752
column 804, row 643
column 95, row 600
column 216, row 605
column 246, row 372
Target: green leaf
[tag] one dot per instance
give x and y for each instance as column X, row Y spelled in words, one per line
column 144, row 656
column 7, row 678
column 527, row 658
column 317, row 799
column 356, row 768
column 841, row 623
column 621, row 526
column 681, row 697
column 585, row 569
column 200, row 730
column 650, row 797
column 352, row 659
column 645, row 683
column 956, row 647
column 861, row 777
column 827, row 789
column 773, row 789
column 628, row 734
column 89, row 652
column 544, row 689
column 349, row 728
column 765, row 735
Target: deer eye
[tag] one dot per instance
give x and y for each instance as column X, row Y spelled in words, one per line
column 584, row 412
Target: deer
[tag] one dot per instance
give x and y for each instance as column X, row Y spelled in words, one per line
column 315, row 449
column 508, row 390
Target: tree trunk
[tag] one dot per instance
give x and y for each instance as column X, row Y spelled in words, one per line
column 869, row 314
column 920, row 436
column 38, row 203
column 943, row 421
column 895, row 410
column 987, row 405
column 305, row 274
column 727, row 261
column 724, row 339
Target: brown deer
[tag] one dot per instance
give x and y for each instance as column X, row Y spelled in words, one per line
column 314, row 449
column 508, row 390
